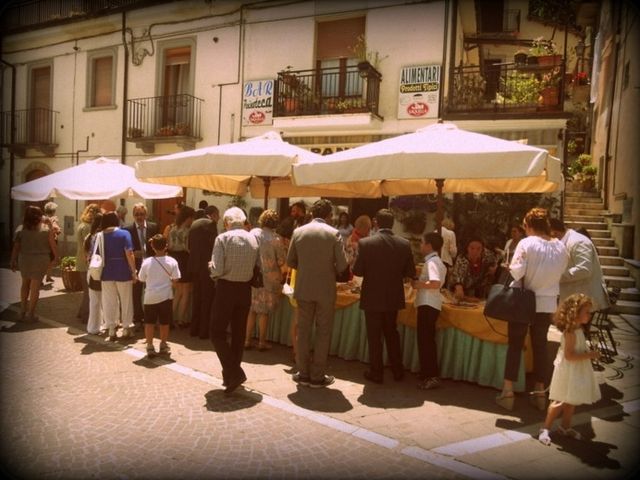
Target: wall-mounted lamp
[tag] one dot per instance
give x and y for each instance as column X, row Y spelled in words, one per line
column 580, row 47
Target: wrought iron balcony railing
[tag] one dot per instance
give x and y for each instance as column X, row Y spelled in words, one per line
column 32, row 128
column 334, row 90
column 508, row 89
column 157, row 118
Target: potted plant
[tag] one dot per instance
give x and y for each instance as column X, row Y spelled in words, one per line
column 294, row 92
column 582, row 173
column 549, row 87
column 135, row 132
column 519, row 89
column 469, row 90
column 580, row 87
column 367, row 58
column 544, row 51
column 71, row 278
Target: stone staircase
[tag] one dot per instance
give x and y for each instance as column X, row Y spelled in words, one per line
column 586, row 210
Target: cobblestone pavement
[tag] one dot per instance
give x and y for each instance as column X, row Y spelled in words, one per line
column 76, row 407
column 73, row 408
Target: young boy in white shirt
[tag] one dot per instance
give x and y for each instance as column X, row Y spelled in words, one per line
column 429, row 303
column 159, row 273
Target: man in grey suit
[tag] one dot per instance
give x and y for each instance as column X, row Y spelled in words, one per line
column 317, row 253
column 384, row 260
column 584, row 273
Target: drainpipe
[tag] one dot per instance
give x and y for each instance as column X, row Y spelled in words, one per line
column 444, row 54
column 12, row 138
column 452, row 57
column 125, row 92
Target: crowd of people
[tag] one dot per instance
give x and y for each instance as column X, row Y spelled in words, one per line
column 192, row 276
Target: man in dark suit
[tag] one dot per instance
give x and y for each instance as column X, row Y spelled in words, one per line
column 317, row 253
column 384, row 260
column 141, row 232
column 202, row 236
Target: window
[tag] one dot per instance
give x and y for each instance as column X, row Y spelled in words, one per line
column 334, row 54
column 101, row 79
column 175, row 74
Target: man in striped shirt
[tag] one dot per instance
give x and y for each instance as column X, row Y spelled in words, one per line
column 235, row 253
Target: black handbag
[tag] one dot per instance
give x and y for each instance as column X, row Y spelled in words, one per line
column 511, row 304
column 257, row 281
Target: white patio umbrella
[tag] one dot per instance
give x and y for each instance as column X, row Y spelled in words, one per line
column 440, row 158
column 98, row 179
column 260, row 165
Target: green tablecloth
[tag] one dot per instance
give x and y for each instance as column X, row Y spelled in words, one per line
column 461, row 355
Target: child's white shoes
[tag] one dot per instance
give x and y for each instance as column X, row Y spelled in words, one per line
column 544, row 436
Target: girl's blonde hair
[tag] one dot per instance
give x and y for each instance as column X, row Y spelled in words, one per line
column 566, row 316
column 89, row 213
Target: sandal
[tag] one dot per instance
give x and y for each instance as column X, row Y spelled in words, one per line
column 506, row 400
column 539, row 401
column 544, row 437
column 264, row 346
column 569, row 432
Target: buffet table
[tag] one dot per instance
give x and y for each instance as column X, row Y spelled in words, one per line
column 470, row 346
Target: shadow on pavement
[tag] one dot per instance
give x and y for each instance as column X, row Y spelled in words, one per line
column 594, row 454
column 154, row 362
column 328, row 399
column 218, row 401
column 91, row 346
column 388, row 395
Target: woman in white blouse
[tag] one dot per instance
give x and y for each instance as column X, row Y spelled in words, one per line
column 449, row 247
column 539, row 261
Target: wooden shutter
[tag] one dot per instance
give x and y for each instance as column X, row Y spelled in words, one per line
column 335, row 38
column 102, row 82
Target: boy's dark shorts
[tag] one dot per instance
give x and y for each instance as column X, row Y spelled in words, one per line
column 158, row 312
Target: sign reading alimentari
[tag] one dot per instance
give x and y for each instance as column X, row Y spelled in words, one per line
column 419, row 92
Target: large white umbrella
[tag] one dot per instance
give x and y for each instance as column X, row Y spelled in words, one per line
column 438, row 158
column 98, row 179
column 260, row 165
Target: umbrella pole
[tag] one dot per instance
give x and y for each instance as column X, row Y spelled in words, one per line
column 267, row 182
column 439, row 205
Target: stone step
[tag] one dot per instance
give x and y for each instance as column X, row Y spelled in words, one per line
column 633, row 320
column 583, row 198
column 607, row 251
column 582, row 193
column 630, row 294
column 603, row 242
column 576, row 204
column 587, row 225
column 609, row 260
column 599, row 233
column 615, row 271
column 572, row 212
column 622, row 282
column 626, row 307
column 584, row 218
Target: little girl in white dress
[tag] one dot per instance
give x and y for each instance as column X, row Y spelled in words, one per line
column 573, row 381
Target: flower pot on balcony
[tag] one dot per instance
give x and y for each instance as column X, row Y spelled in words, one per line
column 291, row 105
column 72, row 280
column 549, row 59
column 550, row 96
column 580, row 93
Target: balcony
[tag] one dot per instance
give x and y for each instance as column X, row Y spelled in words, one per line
column 23, row 15
column 327, row 91
column 168, row 119
column 33, row 128
column 507, row 91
